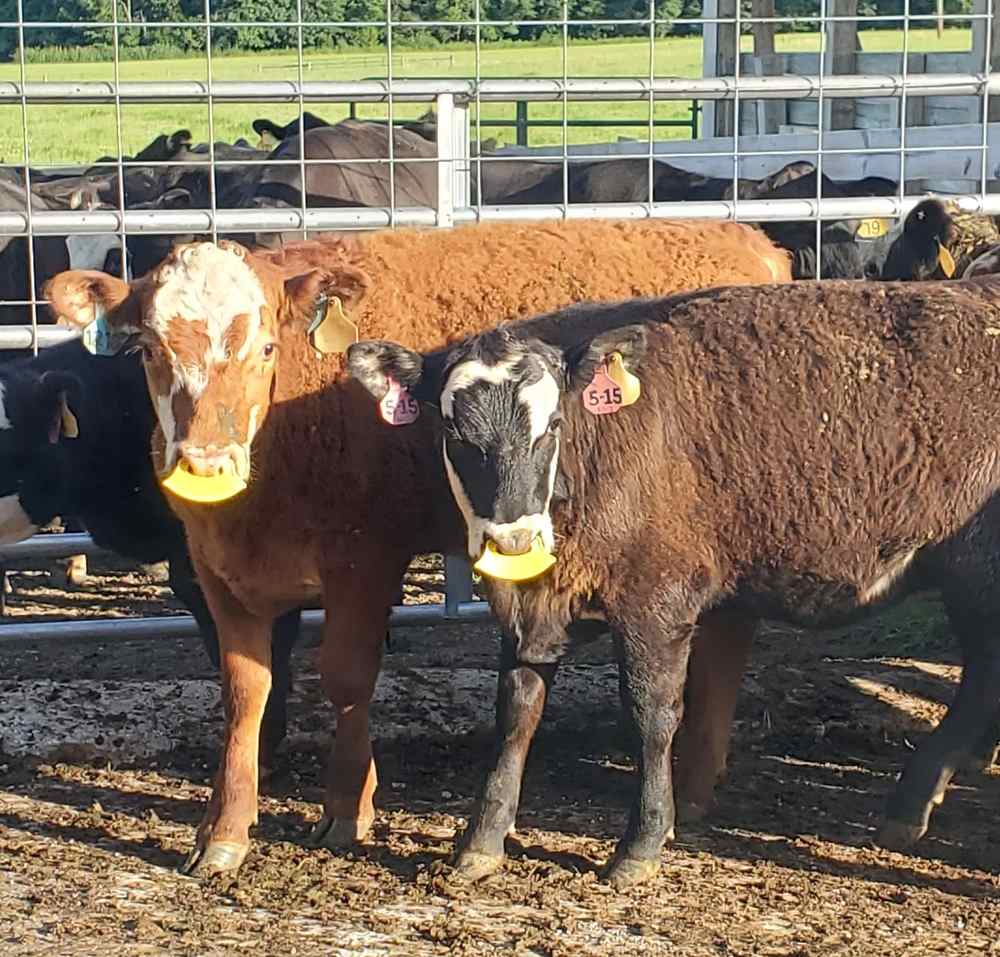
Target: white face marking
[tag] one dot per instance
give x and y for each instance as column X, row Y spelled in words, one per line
column 15, row 525
column 466, row 373
column 252, row 424
column 5, row 422
column 890, row 574
column 89, row 252
column 165, row 415
column 542, row 401
column 210, row 286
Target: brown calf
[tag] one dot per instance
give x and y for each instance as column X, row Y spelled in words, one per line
column 338, row 502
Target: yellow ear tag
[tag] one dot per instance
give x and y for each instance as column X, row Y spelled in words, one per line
column 204, row 489
column 621, row 377
column 331, row 332
column 872, row 228
column 515, row 568
column 70, row 427
column 945, row 261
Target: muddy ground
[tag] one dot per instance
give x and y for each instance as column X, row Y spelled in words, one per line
column 106, row 753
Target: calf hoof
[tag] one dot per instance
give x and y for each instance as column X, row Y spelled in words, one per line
column 626, row 872
column 215, row 858
column 690, row 812
column 982, row 763
column 899, row 836
column 337, row 833
column 474, row 866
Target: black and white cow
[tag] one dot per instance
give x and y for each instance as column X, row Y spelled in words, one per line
column 744, row 478
column 75, row 435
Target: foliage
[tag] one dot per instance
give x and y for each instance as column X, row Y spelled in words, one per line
column 141, row 32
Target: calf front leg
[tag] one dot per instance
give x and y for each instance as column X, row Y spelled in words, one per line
column 245, row 650
column 349, row 662
column 652, row 673
column 521, row 692
column 719, row 651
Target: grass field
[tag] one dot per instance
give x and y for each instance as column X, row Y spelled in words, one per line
column 78, row 134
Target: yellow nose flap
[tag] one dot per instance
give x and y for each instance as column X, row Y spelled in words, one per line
column 515, row 568
column 621, row 377
column 203, row 489
column 945, row 260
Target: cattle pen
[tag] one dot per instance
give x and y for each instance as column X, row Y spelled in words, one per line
column 109, row 715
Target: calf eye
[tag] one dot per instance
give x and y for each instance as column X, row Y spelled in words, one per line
column 555, row 424
column 268, row 350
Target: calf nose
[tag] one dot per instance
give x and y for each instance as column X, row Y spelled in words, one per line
column 208, row 461
column 514, row 542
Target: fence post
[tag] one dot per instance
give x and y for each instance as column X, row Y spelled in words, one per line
column 521, row 118
column 445, row 160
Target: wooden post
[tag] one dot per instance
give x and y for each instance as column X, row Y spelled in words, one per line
column 770, row 113
column 841, row 57
column 726, row 53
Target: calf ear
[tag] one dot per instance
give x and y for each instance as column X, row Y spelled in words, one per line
column 58, row 394
column 79, row 297
column 323, row 300
column 373, row 363
column 583, row 359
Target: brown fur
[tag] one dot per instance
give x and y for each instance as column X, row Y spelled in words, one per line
column 340, row 502
column 806, row 452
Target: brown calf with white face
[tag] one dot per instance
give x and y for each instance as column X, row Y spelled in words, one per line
column 337, row 502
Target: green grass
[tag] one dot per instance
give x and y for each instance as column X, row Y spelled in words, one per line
column 78, row 134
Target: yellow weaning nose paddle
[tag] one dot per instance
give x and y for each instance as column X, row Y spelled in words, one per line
column 203, row 489
column 515, row 568
column 628, row 383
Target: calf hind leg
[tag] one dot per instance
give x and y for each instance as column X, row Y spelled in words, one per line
column 719, row 651
column 926, row 776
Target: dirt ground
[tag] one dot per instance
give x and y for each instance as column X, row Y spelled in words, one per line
column 106, row 752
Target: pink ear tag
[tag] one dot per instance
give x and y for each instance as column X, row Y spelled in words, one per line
column 603, row 396
column 398, row 407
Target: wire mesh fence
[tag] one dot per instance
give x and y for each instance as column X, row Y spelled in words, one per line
column 130, row 124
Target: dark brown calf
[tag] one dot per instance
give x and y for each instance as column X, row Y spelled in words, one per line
column 806, row 452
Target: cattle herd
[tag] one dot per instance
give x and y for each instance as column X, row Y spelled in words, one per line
column 664, row 431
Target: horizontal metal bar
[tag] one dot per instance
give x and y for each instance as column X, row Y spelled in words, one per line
column 785, row 86
column 22, row 337
column 184, row 626
column 48, row 222
column 50, row 546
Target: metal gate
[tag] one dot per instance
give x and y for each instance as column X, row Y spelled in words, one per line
column 743, row 97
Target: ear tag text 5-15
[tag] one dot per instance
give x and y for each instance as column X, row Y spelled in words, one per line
column 945, row 260
column 331, row 332
column 99, row 340
column 397, row 406
column 612, row 388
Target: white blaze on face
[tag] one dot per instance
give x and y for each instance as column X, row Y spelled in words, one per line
column 541, row 401
column 210, row 286
column 15, row 524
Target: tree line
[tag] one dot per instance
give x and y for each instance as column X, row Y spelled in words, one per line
column 139, row 32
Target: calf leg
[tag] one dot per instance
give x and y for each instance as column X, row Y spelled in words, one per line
column 521, row 692
column 245, row 645
column 927, row 774
column 987, row 751
column 652, row 675
column 719, row 651
column 275, row 722
column 349, row 662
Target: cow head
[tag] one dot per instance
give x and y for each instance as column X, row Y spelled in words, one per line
column 502, row 400
column 36, row 420
column 920, row 250
column 207, row 322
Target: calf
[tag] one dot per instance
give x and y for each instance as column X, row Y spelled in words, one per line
column 808, row 452
column 337, row 504
column 75, row 432
column 938, row 241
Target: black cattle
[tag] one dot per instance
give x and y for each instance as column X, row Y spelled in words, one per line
column 75, row 434
column 938, row 243
column 271, row 135
column 796, row 508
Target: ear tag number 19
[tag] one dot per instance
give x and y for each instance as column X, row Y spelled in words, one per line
column 612, row 388
column 398, row 407
column 99, row 340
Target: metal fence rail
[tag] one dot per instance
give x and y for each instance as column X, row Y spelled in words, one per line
column 458, row 101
